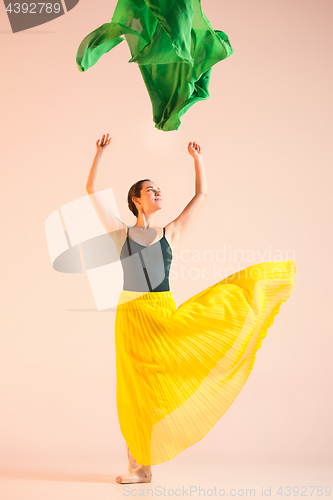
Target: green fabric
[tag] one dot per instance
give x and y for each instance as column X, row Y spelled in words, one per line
column 174, row 45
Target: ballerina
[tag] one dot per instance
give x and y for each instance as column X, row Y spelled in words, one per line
column 179, row 369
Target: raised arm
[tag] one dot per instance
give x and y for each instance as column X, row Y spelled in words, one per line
column 180, row 225
column 107, row 217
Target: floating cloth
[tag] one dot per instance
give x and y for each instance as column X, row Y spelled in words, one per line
column 174, row 45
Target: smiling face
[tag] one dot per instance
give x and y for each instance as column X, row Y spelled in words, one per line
column 151, row 197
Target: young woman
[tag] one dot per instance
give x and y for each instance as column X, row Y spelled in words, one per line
column 179, row 369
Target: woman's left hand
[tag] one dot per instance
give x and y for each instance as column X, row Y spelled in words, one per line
column 194, row 149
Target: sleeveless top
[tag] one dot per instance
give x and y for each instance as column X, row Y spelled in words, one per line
column 146, row 268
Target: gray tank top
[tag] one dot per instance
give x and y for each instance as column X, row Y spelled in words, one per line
column 146, row 268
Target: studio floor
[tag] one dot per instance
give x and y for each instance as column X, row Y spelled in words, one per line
column 238, row 479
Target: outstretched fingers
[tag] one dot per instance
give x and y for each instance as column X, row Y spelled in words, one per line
column 104, row 143
column 194, row 146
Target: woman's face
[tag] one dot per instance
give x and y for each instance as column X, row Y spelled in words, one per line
column 151, row 197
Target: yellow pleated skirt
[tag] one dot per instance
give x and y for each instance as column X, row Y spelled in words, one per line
column 179, row 369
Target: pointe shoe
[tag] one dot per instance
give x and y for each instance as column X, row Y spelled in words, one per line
column 132, row 463
column 140, row 475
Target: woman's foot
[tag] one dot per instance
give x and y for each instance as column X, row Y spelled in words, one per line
column 140, row 475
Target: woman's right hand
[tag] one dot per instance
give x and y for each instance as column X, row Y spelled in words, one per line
column 103, row 144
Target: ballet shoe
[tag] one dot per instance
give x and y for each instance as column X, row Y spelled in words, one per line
column 141, row 474
column 132, row 463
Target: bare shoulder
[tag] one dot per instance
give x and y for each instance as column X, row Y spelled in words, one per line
column 119, row 236
column 170, row 234
column 179, row 226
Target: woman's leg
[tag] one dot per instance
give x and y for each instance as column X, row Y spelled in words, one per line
column 139, row 473
column 132, row 463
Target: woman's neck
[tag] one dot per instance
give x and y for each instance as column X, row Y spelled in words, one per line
column 146, row 223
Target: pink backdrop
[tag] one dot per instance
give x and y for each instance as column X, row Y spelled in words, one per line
column 266, row 138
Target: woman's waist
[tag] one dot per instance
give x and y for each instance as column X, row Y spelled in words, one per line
column 131, row 294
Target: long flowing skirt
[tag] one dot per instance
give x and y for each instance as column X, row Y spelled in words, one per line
column 179, row 369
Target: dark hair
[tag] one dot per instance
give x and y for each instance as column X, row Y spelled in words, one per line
column 135, row 191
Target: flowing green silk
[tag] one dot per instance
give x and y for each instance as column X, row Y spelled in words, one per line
column 174, row 45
